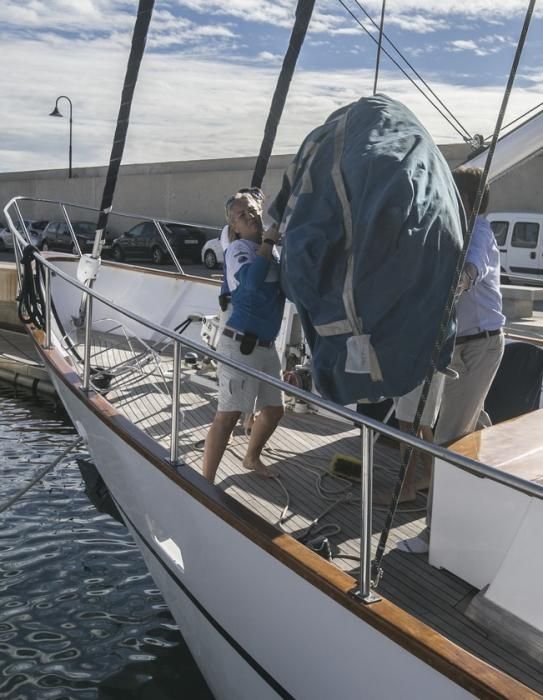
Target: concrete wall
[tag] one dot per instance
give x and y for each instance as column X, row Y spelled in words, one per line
column 190, row 191
column 195, row 190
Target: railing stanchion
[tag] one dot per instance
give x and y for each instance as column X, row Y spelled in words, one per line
column 47, row 308
column 366, row 484
column 88, row 336
column 174, row 448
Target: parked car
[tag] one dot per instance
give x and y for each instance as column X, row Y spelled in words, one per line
column 35, row 231
column 6, row 240
column 212, row 253
column 144, row 242
column 56, row 236
column 519, row 237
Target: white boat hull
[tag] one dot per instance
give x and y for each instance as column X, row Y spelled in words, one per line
column 256, row 628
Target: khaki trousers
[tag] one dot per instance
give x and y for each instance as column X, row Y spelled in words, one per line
column 476, row 362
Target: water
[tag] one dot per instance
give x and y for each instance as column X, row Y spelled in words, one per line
column 80, row 617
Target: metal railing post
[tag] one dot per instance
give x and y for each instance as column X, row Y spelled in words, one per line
column 366, row 484
column 88, row 334
column 47, row 308
column 174, row 447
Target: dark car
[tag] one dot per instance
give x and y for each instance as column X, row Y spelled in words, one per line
column 56, row 236
column 144, row 242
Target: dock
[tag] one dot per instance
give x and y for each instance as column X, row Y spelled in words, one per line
column 19, row 362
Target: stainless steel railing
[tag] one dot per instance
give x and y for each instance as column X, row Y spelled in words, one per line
column 64, row 206
column 368, row 425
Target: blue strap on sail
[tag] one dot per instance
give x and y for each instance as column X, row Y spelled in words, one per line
column 372, row 233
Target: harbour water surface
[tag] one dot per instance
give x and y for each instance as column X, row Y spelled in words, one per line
column 80, row 617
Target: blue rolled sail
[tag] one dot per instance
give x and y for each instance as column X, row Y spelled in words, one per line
column 372, row 233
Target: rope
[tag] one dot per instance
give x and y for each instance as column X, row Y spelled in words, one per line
column 31, row 304
column 376, row 564
column 379, row 47
column 462, row 135
column 39, row 476
column 304, row 10
column 139, row 38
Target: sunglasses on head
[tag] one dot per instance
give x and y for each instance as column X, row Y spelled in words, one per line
column 254, row 192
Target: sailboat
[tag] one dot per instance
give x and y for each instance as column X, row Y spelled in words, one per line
column 271, row 581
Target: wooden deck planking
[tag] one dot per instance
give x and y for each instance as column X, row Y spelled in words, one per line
column 309, row 441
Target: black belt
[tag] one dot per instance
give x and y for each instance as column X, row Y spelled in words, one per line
column 229, row 333
column 475, row 336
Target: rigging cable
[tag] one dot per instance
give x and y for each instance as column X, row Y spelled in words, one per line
column 447, row 119
column 379, row 45
column 376, row 564
column 304, row 10
column 486, row 138
column 468, row 136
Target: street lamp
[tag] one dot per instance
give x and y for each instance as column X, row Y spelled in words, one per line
column 56, row 113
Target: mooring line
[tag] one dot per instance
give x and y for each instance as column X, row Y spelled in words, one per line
column 39, row 476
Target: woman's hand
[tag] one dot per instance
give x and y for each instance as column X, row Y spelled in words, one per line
column 273, row 233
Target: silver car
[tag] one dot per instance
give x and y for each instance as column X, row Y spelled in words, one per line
column 35, row 231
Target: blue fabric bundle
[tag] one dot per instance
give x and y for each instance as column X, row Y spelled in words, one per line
column 372, row 233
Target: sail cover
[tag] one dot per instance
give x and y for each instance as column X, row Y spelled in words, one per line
column 371, row 236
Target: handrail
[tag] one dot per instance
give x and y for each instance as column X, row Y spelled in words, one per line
column 63, row 205
column 465, row 463
column 126, row 215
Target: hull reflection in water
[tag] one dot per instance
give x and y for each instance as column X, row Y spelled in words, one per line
column 80, row 616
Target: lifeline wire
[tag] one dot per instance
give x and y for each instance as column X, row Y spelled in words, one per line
column 39, row 476
column 376, row 564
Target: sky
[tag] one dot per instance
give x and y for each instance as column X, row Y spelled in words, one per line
column 210, row 68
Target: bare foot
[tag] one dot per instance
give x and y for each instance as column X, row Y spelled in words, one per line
column 260, row 468
column 383, row 498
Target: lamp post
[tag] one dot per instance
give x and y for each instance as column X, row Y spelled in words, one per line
column 56, row 113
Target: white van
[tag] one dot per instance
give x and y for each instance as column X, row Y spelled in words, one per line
column 519, row 236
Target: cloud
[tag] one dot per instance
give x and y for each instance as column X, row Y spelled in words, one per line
column 267, row 57
column 470, row 45
column 208, row 75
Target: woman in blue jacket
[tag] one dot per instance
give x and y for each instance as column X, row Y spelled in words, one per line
column 252, row 270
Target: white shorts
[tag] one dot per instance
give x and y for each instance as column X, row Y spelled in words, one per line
column 239, row 391
column 406, row 405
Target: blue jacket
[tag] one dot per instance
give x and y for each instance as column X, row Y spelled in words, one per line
column 257, row 298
